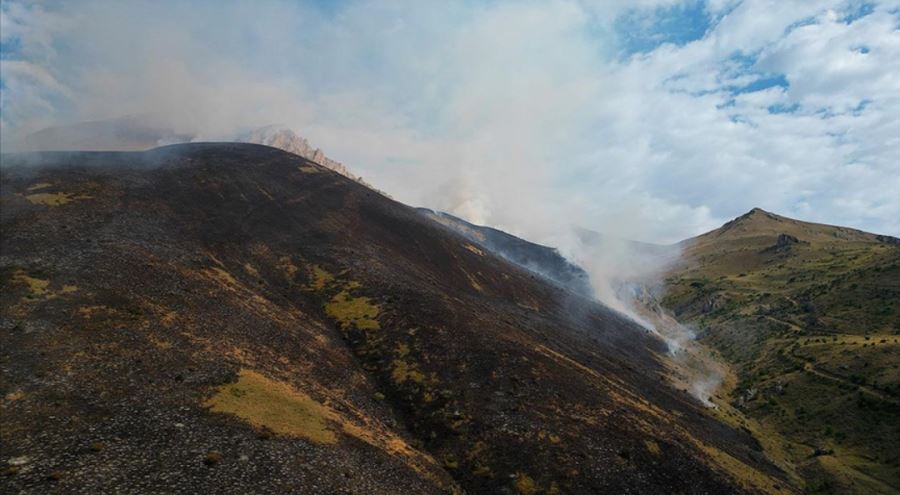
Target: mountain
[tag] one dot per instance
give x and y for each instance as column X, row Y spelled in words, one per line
column 233, row 318
column 809, row 315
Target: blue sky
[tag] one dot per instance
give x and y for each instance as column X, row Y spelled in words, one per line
column 640, row 30
column 651, row 119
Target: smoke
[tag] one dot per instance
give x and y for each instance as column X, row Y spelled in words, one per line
column 517, row 115
column 498, row 113
column 627, row 276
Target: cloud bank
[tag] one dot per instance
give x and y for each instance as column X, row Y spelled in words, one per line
column 652, row 120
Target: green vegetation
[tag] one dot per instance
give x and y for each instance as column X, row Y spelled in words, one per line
column 357, row 312
column 810, row 317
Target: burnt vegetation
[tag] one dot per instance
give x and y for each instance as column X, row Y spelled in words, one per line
column 231, row 318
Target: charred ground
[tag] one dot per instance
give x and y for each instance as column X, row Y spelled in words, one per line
column 222, row 317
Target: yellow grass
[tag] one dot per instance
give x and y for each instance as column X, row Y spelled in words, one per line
column 37, row 286
column 525, row 485
column 54, row 199
column 267, row 403
column 474, row 282
column 320, row 277
column 14, row 396
column 224, row 277
column 401, row 371
column 474, row 249
column 251, row 270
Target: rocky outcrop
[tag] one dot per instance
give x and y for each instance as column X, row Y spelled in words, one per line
column 888, row 239
column 285, row 139
column 783, row 243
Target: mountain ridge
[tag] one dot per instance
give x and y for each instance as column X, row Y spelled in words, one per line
column 144, row 132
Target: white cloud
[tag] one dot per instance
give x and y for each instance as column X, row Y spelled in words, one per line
column 523, row 115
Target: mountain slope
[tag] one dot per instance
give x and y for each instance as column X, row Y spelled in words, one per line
column 810, row 315
column 225, row 317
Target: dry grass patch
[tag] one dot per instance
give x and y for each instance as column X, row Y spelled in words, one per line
column 320, row 277
column 37, row 286
column 251, row 270
column 525, row 484
column 402, row 371
column 267, row 403
column 14, row 396
column 474, row 249
column 222, row 276
column 474, row 282
column 54, row 199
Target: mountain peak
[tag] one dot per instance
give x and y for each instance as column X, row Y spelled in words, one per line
column 768, row 226
column 759, row 212
column 755, row 216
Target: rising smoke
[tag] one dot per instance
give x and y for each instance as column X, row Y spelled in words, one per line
column 495, row 114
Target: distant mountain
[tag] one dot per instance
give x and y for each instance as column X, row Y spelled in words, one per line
column 809, row 314
column 131, row 133
column 231, row 318
column 143, row 132
column 640, row 250
column 542, row 260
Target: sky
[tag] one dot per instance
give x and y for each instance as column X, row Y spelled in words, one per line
column 653, row 120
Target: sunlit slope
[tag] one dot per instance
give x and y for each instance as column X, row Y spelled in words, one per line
column 232, row 318
column 811, row 316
